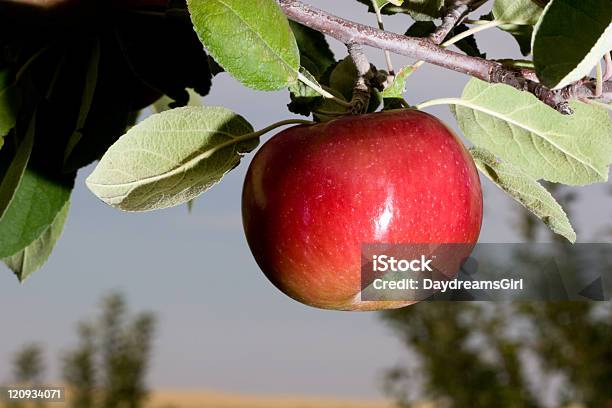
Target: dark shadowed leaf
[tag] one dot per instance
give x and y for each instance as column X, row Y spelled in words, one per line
column 17, row 158
column 32, row 257
column 166, row 56
column 34, row 207
column 315, row 54
column 115, row 98
column 570, row 38
column 420, row 29
column 89, row 88
column 8, row 99
column 468, row 45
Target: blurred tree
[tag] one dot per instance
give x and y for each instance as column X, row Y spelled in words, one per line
column 28, row 369
column 575, row 339
column 79, row 368
column 28, row 365
column 456, row 372
column 476, row 354
column 108, row 367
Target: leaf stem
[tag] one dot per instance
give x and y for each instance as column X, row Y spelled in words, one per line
column 600, row 104
column 382, row 27
column 322, row 91
column 440, row 101
column 23, row 69
column 461, row 36
column 471, row 31
column 258, row 133
column 483, row 22
column 598, row 80
column 608, row 60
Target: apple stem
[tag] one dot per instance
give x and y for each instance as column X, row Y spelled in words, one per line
column 361, row 89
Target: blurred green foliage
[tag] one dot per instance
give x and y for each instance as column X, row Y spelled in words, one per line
column 485, row 354
column 107, row 367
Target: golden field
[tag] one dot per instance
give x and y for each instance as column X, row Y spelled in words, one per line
column 202, row 399
column 210, row 399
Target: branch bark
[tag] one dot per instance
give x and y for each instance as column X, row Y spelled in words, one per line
column 455, row 12
column 350, row 32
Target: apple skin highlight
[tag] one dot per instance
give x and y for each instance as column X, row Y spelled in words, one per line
column 313, row 194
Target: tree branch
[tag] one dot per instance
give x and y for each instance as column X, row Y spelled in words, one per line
column 350, row 32
column 455, row 12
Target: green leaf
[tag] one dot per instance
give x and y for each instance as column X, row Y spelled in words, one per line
column 16, row 168
column 315, row 54
column 89, row 88
column 527, row 191
column 36, row 203
column 397, row 87
column 171, row 158
column 515, row 126
column 8, row 98
column 31, row 258
column 343, row 77
column 517, row 11
column 570, row 38
column 382, row 3
column 250, row 40
column 524, row 14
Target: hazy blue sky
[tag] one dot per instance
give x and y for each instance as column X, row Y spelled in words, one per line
column 222, row 324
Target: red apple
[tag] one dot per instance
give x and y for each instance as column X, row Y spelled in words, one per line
column 314, row 194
